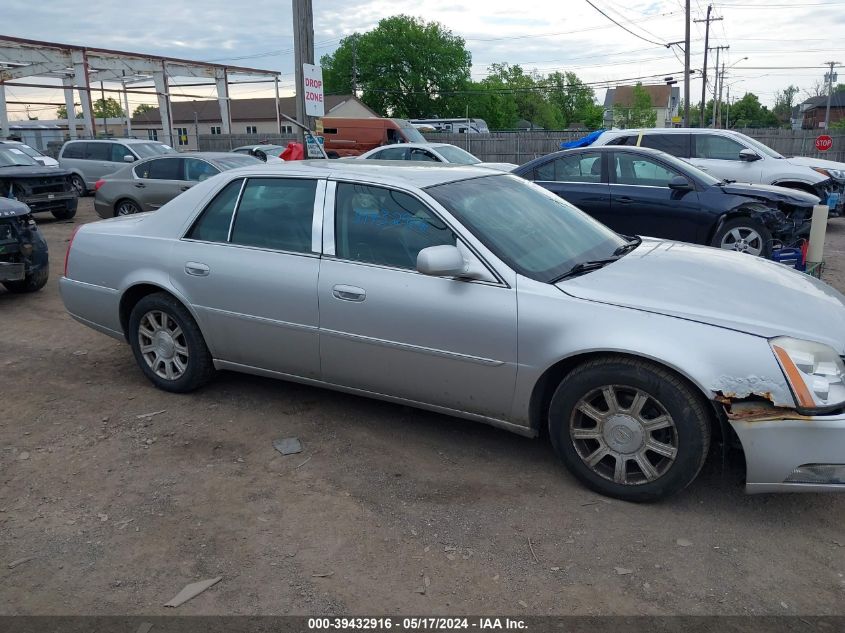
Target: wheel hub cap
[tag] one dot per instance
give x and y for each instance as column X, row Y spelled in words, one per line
column 164, row 344
column 623, row 434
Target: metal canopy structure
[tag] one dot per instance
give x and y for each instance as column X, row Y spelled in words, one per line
column 78, row 66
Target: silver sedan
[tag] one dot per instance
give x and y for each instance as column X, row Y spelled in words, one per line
column 148, row 184
column 482, row 296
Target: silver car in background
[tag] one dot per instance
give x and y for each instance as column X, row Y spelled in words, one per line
column 430, row 153
column 151, row 183
column 483, row 296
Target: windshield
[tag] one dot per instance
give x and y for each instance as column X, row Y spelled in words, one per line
column 456, row 155
column 532, row 230
column 409, row 131
column 12, row 156
column 29, row 151
column 759, row 146
column 147, row 150
column 235, row 161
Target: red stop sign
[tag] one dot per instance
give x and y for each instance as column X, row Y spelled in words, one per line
column 824, row 143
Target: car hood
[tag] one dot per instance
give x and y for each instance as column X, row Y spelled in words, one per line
column 26, row 171
column 718, row 287
column 770, row 192
column 809, row 161
column 499, row 166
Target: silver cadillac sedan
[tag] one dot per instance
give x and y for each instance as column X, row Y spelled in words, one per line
column 482, row 296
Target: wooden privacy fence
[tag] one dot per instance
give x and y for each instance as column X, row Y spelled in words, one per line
column 520, row 147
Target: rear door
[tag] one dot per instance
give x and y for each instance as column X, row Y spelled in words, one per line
column 97, row 162
column 159, row 180
column 674, row 144
column 579, row 179
column 642, row 203
column 718, row 155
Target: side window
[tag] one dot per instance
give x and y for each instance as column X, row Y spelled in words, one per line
column 421, row 155
column 546, row 171
column 391, row 153
column 584, row 167
column 383, row 226
column 161, row 169
column 198, row 170
column 118, row 151
column 74, row 150
column 624, row 140
column 631, row 169
column 717, row 147
column 675, row 144
column 213, row 223
column 276, row 213
column 98, row 151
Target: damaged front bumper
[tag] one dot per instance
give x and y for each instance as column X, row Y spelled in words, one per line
column 789, row 452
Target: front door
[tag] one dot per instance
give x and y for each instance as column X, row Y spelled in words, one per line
column 386, row 328
column 641, row 202
column 252, row 279
column 719, row 156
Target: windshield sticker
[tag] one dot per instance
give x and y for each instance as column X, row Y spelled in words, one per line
column 16, row 151
column 384, row 217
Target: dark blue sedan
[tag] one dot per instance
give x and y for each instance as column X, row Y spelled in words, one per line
column 640, row 191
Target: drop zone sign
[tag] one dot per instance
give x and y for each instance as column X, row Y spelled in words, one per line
column 312, row 78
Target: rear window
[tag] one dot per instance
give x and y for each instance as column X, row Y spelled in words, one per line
column 74, row 150
column 630, row 139
column 98, row 151
column 213, row 224
column 674, row 144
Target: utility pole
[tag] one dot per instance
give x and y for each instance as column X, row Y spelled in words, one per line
column 103, row 102
column 686, row 65
column 303, row 45
column 716, row 83
column 719, row 101
column 355, row 65
column 831, row 77
column 728, row 109
column 708, row 20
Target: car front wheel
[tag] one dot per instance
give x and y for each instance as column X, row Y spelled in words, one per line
column 744, row 235
column 168, row 345
column 629, row 429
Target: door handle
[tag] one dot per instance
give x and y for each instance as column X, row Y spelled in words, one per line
column 349, row 293
column 140, row 185
column 197, row 269
column 185, row 187
column 624, row 200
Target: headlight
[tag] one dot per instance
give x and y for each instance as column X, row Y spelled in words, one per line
column 838, row 174
column 814, row 371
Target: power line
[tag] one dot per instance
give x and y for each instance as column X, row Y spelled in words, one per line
column 623, row 27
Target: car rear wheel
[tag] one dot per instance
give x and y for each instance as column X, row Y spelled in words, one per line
column 168, row 345
column 126, row 207
column 78, row 185
column 629, row 429
column 64, row 214
column 31, row 283
column 744, row 235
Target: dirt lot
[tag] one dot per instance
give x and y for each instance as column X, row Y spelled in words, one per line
column 387, row 509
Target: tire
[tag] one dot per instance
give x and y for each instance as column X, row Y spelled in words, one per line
column 64, row 214
column 744, row 235
column 680, row 429
column 31, row 283
column 180, row 361
column 78, row 185
column 125, row 207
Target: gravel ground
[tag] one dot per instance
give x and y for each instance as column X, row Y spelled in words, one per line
column 386, row 510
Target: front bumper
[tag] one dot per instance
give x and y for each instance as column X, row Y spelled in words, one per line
column 775, row 447
column 51, row 202
column 12, row 271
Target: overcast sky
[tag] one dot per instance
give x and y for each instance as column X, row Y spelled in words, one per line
column 785, row 42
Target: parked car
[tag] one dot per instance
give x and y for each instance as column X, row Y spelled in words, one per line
column 40, row 188
column 24, row 261
column 484, row 296
column 263, row 152
column 33, row 153
column 735, row 156
column 638, row 191
column 91, row 160
column 151, row 183
column 352, row 137
column 431, row 153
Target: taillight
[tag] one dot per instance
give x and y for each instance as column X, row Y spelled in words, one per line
column 69, row 245
column 99, row 184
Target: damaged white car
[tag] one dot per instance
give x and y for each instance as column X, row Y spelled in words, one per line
column 486, row 297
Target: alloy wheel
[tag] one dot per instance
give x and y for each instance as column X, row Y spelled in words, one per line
column 163, row 345
column 624, row 435
column 126, row 208
column 744, row 240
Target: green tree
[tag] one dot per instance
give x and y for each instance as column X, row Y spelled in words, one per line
column 574, row 100
column 784, row 102
column 641, row 113
column 144, row 107
column 747, row 112
column 108, row 108
column 61, row 113
column 405, row 67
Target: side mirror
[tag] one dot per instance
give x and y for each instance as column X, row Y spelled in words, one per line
column 679, row 183
column 441, row 261
column 128, row 158
column 260, row 155
column 748, row 155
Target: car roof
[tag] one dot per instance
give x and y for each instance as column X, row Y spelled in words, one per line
column 385, row 172
column 127, row 141
column 668, row 130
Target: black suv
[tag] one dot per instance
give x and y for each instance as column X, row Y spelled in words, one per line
column 24, row 264
column 41, row 188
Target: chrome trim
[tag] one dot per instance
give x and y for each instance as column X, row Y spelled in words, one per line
column 317, row 217
column 235, row 210
column 251, row 317
column 328, row 218
column 414, row 348
column 519, row 429
column 411, row 271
